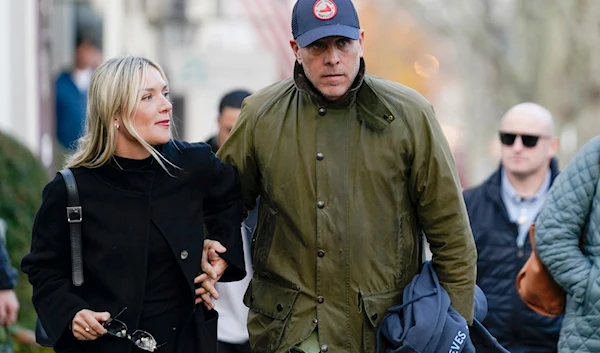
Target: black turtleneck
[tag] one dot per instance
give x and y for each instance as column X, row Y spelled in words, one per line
column 166, row 288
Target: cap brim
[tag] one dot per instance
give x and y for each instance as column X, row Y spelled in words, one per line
column 327, row 31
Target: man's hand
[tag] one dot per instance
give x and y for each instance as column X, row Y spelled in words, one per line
column 87, row 324
column 9, row 307
column 213, row 266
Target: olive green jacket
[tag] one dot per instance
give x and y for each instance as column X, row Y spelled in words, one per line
column 345, row 191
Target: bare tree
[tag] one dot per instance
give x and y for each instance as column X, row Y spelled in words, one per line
column 510, row 51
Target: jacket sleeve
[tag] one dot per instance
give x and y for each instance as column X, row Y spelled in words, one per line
column 564, row 215
column 8, row 274
column 435, row 191
column 239, row 151
column 223, row 216
column 48, row 265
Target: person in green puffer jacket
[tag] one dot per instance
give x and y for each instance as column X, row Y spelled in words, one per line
column 351, row 170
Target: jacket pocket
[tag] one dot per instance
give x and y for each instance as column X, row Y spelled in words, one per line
column 206, row 329
column 270, row 306
column 263, row 237
column 399, row 250
column 375, row 308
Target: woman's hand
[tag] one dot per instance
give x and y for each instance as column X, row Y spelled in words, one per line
column 87, row 324
column 9, row 307
column 213, row 266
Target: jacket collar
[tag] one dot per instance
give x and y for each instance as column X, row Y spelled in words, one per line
column 136, row 180
column 493, row 185
column 370, row 108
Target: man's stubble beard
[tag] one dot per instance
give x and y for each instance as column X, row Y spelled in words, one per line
column 525, row 175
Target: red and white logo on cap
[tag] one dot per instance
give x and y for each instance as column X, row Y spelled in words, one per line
column 325, row 9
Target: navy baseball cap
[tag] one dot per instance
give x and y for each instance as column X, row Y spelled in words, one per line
column 313, row 20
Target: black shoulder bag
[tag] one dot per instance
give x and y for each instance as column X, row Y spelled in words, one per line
column 74, row 217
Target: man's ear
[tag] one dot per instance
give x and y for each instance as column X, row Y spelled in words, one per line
column 554, row 145
column 295, row 48
column 361, row 41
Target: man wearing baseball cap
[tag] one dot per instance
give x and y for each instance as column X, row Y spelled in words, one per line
column 351, row 170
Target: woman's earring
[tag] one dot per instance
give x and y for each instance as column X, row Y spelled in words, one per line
column 117, row 126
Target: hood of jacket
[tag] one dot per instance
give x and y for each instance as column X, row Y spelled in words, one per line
column 408, row 327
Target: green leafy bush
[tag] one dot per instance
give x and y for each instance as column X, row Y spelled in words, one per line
column 22, row 178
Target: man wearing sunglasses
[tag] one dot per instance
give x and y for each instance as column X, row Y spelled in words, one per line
column 501, row 211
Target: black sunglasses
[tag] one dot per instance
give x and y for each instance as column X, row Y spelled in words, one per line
column 142, row 339
column 528, row 140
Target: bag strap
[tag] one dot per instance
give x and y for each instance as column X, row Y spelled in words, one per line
column 74, row 217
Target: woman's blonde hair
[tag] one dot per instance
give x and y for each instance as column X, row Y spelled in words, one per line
column 115, row 90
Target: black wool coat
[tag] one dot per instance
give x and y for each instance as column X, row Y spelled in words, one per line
column 118, row 207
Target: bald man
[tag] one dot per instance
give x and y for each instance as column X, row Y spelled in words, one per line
column 501, row 211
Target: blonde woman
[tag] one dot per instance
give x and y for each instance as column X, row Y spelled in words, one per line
column 145, row 198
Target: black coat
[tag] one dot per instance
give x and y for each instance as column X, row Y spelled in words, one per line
column 499, row 260
column 118, row 207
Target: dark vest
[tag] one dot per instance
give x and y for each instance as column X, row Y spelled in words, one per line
column 499, row 260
